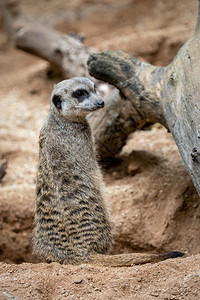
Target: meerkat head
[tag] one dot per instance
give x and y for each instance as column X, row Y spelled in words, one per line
column 75, row 98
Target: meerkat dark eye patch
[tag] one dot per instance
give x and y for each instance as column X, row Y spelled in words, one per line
column 80, row 94
column 57, row 101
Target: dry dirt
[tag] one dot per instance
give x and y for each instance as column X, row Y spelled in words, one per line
column 154, row 205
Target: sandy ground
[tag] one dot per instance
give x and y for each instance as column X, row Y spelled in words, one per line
column 154, row 205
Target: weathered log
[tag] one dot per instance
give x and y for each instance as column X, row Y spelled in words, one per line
column 64, row 52
column 169, row 94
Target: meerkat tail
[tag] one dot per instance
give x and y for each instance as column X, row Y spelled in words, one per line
column 125, row 260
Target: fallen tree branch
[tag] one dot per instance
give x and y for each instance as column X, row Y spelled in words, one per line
column 65, row 53
column 169, row 94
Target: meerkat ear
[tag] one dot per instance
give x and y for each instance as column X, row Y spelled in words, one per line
column 57, row 101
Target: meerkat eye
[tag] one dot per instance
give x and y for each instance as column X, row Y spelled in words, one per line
column 80, row 94
column 57, row 101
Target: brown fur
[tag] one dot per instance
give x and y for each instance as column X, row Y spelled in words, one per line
column 72, row 225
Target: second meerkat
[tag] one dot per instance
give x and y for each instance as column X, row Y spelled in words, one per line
column 72, row 224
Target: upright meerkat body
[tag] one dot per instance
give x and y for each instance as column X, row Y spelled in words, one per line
column 72, row 224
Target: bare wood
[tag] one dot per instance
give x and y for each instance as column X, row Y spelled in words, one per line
column 169, row 94
column 64, row 52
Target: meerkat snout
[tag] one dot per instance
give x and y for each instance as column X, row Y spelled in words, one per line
column 90, row 101
column 100, row 103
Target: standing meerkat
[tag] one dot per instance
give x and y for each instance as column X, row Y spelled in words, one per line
column 72, row 224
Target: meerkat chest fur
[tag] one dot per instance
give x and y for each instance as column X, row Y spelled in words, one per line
column 71, row 220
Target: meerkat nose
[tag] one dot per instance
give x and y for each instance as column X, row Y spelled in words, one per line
column 100, row 103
